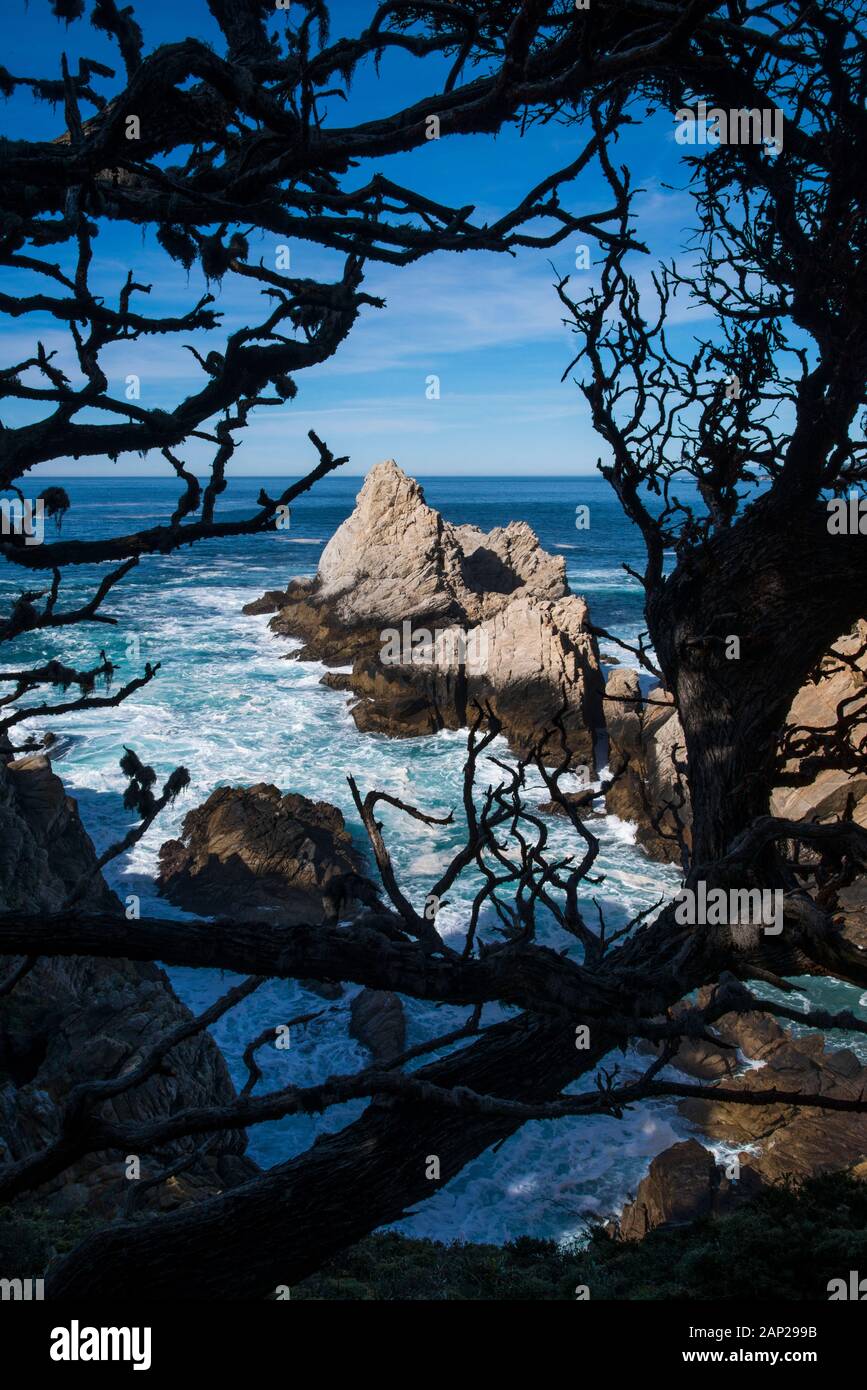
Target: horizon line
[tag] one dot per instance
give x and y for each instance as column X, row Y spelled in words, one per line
column 170, row 478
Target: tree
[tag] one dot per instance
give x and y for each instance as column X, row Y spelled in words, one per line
column 275, row 161
column 781, row 266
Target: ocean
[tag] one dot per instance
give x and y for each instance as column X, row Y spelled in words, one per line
column 229, row 706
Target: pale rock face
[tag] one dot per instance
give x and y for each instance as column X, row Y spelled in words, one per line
column 527, row 649
column 646, row 741
column 503, row 562
column 664, row 745
column 623, row 711
column 395, row 557
column 643, row 742
column 815, row 706
column 542, row 664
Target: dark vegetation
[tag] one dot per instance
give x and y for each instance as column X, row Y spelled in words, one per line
column 786, row 1245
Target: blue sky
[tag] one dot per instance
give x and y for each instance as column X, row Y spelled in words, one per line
column 488, row 326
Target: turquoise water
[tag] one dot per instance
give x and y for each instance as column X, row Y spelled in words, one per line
column 229, row 707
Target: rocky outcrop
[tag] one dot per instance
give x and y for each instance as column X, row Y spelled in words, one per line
column 645, row 742
column 437, row 618
column 44, row 848
column 646, row 737
column 684, row 1184
column 840, row 686
column 773, row 1142
column 539, row 665
column 396, row 557
column 250, row 852
column 755, row 1053
column 73, row 1020
column 377, row 1021
column 786, row 1139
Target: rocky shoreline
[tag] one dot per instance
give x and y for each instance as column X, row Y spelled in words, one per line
column 397, row 567
column 646, row 745
column 767, row 1144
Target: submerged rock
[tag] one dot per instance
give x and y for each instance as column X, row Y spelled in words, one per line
column 250, row 852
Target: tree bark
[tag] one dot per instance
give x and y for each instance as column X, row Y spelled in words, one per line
column 280, row 1228
column 786, row 588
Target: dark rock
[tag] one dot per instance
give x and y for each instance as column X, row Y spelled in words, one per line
column 684, row 1184
column 376, row 1020
column 337, row 680
column 583, row 802
column 270, row 602
column 249, row 852
column 44, row 848
column 326, row 989
column 77, row 1019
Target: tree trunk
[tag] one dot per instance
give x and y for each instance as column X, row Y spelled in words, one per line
column 738, row 627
